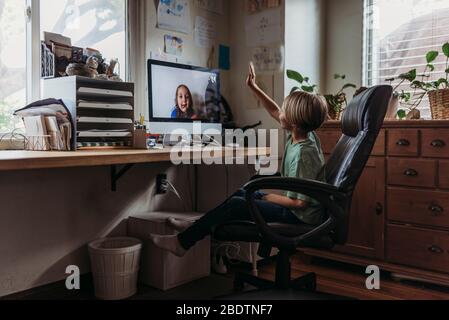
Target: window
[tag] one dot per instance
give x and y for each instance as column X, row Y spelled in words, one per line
column 398, row 34
column 98, row 24
column 13, row 75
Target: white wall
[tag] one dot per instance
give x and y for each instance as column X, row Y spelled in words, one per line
column 344, row 42
column 305, row 40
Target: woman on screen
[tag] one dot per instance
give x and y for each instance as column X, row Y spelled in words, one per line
column 184, row 104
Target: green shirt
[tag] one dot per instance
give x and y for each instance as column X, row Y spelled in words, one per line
column 305, row 160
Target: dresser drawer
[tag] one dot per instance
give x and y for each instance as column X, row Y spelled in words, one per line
column 403, row 143
column 443, row 175
column 435, row 143
column 413, row 173
column 418, row 248
column 418, row 207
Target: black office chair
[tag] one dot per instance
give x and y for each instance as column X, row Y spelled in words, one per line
column 361, row 124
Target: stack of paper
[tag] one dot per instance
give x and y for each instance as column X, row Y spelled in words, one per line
column 48, row 126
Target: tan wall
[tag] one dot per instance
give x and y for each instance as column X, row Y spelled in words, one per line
column 344, row 42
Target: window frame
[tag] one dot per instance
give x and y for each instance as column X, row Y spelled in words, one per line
column 33, row 50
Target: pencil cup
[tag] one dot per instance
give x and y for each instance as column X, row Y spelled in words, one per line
column 140, row 139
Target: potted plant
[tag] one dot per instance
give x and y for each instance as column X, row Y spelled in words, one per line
column 336, row 102
column 438, row 91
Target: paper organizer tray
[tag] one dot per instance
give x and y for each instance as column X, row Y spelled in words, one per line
column 103, row 110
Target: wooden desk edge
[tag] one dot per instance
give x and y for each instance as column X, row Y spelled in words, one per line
column 27, row 160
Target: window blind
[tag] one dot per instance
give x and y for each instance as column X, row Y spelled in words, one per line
column 398, row 34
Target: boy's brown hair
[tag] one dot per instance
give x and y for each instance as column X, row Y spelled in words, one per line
column 305, row 110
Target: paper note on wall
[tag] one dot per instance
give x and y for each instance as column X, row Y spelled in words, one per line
column 205, row 32
column 267, row 59
column 174, row 15
column 215, row 6
column 264, row 28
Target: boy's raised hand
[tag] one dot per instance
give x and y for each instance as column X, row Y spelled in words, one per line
column 251, row 79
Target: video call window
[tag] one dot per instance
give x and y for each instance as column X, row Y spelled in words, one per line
column 178, row 93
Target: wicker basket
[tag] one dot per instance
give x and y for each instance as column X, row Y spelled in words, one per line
column 115, row 266
column 439, row 104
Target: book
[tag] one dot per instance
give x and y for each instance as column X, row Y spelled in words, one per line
column 36, row 133
column 56, row 142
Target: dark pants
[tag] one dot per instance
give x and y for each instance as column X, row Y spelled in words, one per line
column 234, row 209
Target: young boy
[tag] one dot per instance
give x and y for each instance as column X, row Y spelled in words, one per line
column 301, row 114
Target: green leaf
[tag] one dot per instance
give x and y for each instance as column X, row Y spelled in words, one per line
column 405, row 96
column 442, row 81
column 446, row 49
column 431, row 56
column 402, row 114
column 337, row 76
column 294, row 89
column 306, row 79
column 308, row 89
column 409, row 76
column 431, row 67
column 294, row 75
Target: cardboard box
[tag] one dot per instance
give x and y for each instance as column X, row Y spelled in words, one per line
column 159, row 268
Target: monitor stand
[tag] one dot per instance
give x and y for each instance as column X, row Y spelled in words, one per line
column 177, row 140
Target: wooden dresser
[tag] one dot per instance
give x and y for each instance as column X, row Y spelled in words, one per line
column 400, row 210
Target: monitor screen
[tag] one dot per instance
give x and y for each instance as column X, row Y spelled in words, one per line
column 182, row 93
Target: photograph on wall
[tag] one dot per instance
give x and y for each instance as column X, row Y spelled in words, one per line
column 174, row 15
column 173, row 45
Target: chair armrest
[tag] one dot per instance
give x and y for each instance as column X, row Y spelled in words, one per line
column 329, row 196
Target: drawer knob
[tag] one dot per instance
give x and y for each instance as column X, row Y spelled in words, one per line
column 436, row 249
column 403, row 143
column 438, row 143
column 379, row 209
column 436, row 209
column 411, row 173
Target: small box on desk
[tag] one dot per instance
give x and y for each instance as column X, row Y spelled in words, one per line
column 159, row 268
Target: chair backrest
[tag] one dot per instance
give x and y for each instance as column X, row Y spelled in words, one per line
column 361, row 124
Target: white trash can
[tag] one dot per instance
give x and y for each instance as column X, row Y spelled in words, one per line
column 115, row 267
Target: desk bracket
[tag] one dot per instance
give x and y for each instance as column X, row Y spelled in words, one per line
column 115, row 176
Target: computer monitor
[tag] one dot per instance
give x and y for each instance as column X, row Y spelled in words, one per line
column 183, row 98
